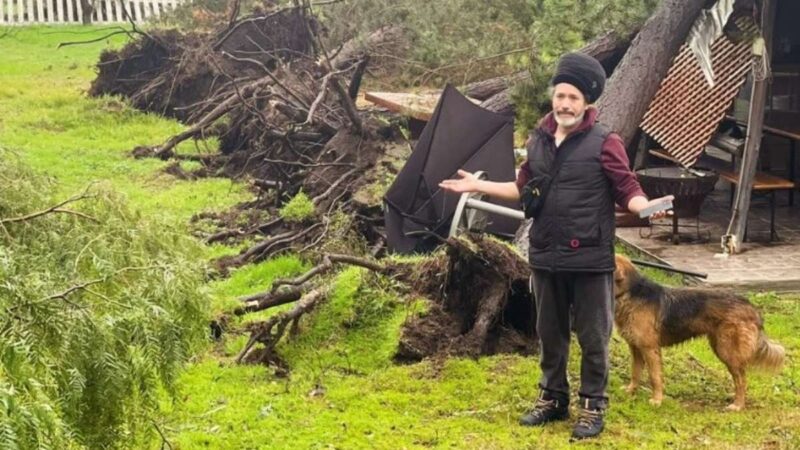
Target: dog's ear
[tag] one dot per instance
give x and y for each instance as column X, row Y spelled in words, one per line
column 622, row 273
column 621, row 263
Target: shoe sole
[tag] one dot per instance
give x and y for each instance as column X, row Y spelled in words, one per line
column 553, row 419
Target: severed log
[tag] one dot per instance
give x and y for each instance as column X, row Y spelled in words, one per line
column 635, row 81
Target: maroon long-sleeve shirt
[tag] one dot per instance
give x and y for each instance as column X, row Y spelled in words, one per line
column 613, row 158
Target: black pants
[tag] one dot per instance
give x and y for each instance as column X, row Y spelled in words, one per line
column 591, row 296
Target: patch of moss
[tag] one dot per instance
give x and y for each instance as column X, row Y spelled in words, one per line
column 298, row 209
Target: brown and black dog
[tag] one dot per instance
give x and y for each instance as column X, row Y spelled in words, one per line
column 650, row 316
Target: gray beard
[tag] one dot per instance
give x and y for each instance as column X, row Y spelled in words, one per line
column 569, row 122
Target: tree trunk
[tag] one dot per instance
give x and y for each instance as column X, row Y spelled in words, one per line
column 635, row 81
column 87, row 7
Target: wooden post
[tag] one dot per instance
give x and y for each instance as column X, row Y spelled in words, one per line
column 107, row 13
column 20, row 11
column 731, row 242
column 51, row 13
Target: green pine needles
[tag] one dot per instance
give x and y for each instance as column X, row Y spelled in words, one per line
column 99, row 309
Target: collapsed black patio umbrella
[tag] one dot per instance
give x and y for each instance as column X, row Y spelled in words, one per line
column 459, row 135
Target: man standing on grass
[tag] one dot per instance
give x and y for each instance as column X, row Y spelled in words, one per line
column 572, row 238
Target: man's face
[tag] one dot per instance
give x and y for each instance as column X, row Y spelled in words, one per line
column 568, row 105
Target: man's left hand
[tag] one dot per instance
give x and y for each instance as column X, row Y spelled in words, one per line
column 656, row 201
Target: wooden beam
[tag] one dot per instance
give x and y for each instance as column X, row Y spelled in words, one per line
column 731, row 241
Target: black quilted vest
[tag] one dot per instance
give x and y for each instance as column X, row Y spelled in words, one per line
column 575, row 230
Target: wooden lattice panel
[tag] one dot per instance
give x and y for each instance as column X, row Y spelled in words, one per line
column 686, row 110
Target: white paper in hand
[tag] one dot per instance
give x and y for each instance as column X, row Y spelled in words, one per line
column 666, row 205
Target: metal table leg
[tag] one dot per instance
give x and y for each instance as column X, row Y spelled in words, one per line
column 792, row 162
column 675, row 236
column 772, row 233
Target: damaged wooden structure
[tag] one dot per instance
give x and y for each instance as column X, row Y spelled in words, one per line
column 717, row 87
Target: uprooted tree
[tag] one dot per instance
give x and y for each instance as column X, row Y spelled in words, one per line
column 282, row 108
column 478, row 293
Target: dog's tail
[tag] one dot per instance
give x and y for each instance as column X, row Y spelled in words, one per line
column 769, row 355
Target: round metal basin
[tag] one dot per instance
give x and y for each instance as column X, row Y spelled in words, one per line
column 690, row 188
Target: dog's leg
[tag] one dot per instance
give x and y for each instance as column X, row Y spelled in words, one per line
column 740, row 383
column 652, row 357
column 734, row 345
column 637, row 362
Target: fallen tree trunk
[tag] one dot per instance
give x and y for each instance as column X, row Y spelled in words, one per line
column 635, row 81
column 356, row 49
column 482, row 90
column 500, row 103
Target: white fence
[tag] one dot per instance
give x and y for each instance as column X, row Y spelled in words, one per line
column 18, row 12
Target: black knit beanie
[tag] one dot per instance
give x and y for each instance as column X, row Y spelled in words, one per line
column 583, row 72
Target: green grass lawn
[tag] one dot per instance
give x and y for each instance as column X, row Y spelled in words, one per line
column 344, row 391
column 46, row 116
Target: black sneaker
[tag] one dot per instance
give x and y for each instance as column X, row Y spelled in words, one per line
column 590, row 420
column 547, row 409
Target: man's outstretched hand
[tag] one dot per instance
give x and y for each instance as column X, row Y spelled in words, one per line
column 467, row 183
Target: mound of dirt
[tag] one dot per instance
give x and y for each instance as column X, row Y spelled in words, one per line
column 480, row 304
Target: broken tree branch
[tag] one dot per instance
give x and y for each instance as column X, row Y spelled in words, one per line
column 285, row 291
column 164, row 151
column 57, row 208
column 264, row 331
